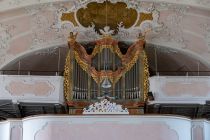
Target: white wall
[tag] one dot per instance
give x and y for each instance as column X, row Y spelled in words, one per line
column 112, row 127
column 5, row 130
column 124, row 127
column 207, row 130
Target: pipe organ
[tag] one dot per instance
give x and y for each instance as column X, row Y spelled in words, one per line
column 105, row 68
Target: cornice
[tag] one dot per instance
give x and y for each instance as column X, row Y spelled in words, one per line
column 6, row 5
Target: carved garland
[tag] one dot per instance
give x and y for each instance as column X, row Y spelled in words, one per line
column 113, row 49
column 146, row 76
column 67, row 77
column 128, row 60
column 113, row 76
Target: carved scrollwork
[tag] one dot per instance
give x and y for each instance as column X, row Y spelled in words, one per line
column 128, row 60
column 105, row 107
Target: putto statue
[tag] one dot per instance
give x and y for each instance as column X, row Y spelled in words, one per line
column 141, row 36
column 72, row 38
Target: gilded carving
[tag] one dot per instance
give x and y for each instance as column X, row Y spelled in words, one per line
column 69, row 17
column 120, row 19
column 67, row 78
column 143, row 17
column 146, row 76
column 107, row 14
column 128, row 60
column 134, row 53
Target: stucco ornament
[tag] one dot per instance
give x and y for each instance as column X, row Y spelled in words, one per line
column 5, row 38
column 10, row 4
column 172, row 30
column 5, row 35
column 206, row 35
column 105, row 107
column 147, row 19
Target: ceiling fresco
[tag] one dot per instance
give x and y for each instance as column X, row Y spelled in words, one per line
column 31, row 25
column 12, row 4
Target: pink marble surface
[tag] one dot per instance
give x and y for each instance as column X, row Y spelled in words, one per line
column 198, row 133
column 106, row 131
column 16, row 133
column 38, row 88
column 194, row 89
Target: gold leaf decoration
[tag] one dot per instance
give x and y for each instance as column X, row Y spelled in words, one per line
column 69, row 17
column 107, row 14
column 143, row 17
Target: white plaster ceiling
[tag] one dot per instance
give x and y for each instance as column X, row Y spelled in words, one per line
column 30, row 25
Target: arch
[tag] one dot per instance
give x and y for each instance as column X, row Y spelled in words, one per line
column 27, row 53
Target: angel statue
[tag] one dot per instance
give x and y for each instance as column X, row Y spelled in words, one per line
column 141, row 36
column 72, row 38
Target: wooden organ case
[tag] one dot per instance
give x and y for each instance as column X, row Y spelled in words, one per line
column 106, row 69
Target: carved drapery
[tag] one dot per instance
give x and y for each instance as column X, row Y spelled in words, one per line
column 134, row 56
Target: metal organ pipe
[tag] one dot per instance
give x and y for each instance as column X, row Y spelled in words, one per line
column 113, row 69
column 134, row 82
column 86, row 86
column 82, row 84
column 128, row 86
column 137, row 79
column 78, row 81
column 139, row 71
column 132, row 93
column 77, row 88
column 135, row 86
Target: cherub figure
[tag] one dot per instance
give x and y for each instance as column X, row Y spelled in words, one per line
column 72, row 37
column 141, row 36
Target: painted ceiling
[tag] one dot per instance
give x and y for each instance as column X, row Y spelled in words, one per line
column 30, row 25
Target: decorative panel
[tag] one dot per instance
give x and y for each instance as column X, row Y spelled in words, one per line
column 26, row 88
column 180, row 89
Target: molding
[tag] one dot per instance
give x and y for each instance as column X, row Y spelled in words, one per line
column 14, row 4
column 14, row 128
